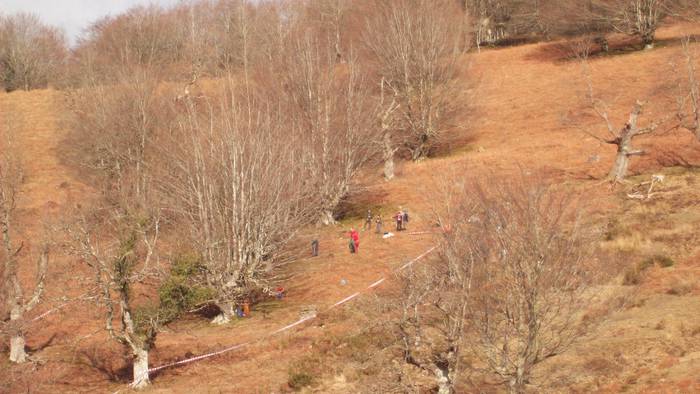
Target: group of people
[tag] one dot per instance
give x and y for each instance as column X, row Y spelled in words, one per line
column 401, row 218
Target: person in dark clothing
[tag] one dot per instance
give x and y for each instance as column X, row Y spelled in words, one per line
column 368, row 220
column 351, row 245
column 399, row 220
column 314, row 248
column 405, row 219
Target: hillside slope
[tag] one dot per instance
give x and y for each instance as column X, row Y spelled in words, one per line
column 524, row 110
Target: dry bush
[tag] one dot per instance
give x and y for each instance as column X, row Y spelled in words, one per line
column 32, row 54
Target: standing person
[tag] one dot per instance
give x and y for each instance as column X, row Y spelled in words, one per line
column 405, row 219
column 379, row 225
column 368, row 220
column 351, row 243
column 399, row 220
column 356, row 239
column 314, row 248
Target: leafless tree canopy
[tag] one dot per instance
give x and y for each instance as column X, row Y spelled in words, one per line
column 515, row 272
column 238, row 182
column 31, row 53
column 534, row 272
column 330, row 110
column 415, row 45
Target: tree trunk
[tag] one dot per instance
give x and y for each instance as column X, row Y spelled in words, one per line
column 388, row 157
column 444, row 382
column 228, row 311
column 648, row 40
column 619, row 170
column 517, row 383
column 17, row 353
column 327, row 217
column 141, row 378
column 420, row 152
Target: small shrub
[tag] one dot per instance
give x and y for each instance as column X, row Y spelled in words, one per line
column 679, row 288
column 615, row 229
column 662, row 260
column 633, row 276
column 180, row 292
column 299, row 379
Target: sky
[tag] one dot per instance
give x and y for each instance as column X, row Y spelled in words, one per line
column 74, row 15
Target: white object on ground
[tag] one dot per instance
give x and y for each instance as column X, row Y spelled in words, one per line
column 387, row 235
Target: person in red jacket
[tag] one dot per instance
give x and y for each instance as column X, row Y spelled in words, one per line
column 355, row 239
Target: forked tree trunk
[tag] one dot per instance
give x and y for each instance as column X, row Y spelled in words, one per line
column 140, row 368
column 624, row 144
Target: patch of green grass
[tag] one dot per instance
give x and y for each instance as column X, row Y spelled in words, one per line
column 662, row 260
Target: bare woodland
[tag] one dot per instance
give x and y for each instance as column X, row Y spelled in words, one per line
column 231, row 127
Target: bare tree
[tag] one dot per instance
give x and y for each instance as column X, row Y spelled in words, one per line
column 236, row 180
column 435, row 298
column 533, row 274
column 330, row 109
column 623, row 137
column 31, row 53
column 689, row 94
column 11, row 179
column 515, row 272
column 120, row 248
column 638, row 18
column 415, row 46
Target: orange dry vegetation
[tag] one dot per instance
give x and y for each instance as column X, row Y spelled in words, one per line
column 522, row 108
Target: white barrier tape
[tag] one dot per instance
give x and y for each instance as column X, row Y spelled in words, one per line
column 417, row 258
column 285, row 328
column 377, row 283
column 423, row 232
column 296, row 323
column 344, row 300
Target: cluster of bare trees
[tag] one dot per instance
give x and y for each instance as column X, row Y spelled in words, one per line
column 16, row 304
column 502, row 20
column 32, row 54
column 517, row 269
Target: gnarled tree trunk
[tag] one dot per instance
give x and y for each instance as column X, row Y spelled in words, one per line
column 140, row 368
